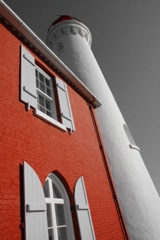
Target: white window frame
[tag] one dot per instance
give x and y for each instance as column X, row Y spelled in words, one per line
column 50, row 119
column 63, row 201
column 50, row 98
column 29, row 93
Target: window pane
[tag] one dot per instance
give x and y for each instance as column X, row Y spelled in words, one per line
column 49, row 215
column 47, row 82
column 42, row 87
column 62, row 234
column 56, row 192
column 41, row 100
column 42, row 109
column 51, row 234
column 48, row 105
column 46, row 189
column 36, row 73
column 37, row 83
column 48, row 92
column 59, row 208
column 41, row 77
column 49, row 113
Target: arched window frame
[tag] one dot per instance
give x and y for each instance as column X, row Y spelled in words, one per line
column 35, row 207
column 64, row 200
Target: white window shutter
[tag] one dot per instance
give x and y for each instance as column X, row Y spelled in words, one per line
column 64, row 103
column 35, row 207
column 83, row 211
column 28, row 78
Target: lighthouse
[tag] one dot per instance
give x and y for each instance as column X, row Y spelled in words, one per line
column 139, row 201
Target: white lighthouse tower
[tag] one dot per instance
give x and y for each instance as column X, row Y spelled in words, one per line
column 137, row 196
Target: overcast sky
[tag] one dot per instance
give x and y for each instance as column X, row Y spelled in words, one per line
column 126, row 44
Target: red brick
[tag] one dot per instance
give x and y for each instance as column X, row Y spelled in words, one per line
column 23, row 136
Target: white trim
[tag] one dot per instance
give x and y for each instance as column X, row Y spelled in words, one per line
column 49, row 120
column 61, row 200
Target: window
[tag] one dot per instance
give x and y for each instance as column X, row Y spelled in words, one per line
column 50, row 206
column 37, row 91
column 58, row 210
column 45, row 101
column 130, row 138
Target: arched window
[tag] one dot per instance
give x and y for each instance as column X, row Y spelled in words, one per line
column 59, row 218
column 55, row 199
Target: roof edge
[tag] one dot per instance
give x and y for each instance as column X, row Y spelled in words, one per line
column 63, row 71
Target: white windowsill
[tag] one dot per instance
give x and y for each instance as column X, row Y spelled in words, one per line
column 50, row 120
column 134, row 147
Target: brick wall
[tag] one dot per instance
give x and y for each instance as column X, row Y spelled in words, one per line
column 24, row 136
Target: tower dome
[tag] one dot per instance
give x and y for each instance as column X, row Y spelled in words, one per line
column 63, row 18
column 66, row 24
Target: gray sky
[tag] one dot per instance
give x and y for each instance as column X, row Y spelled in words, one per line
column 126, row 44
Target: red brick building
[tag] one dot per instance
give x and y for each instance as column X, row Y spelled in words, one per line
column 49, row 141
